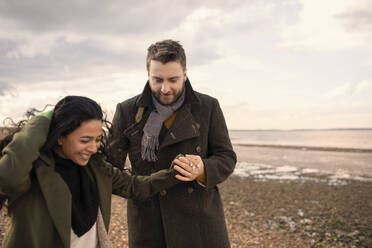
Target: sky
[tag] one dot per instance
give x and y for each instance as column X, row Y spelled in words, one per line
column 288, row 64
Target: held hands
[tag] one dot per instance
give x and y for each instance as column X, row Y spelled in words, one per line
column 190, row 167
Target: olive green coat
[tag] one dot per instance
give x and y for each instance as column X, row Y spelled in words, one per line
column 187, row 215
column 39, row 199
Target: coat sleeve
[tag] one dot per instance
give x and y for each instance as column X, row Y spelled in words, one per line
column 141, row 187
column 221, row 158
column 19, row 154
column 118, row 143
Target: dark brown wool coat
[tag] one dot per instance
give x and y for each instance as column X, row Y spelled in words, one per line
column 187, row 215
column 39, row 199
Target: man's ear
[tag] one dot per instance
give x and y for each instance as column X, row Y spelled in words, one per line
column 184, row 76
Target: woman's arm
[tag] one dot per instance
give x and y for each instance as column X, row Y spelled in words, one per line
column 20, row 153
column 142, row 187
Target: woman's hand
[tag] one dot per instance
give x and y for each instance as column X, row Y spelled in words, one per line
column 48, row 114
column 189, row 167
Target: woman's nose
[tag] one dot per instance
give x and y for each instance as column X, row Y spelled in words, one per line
column 93, row 147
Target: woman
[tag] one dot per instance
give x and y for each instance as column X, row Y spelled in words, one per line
column 58, row 184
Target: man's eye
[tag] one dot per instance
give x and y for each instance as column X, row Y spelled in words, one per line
column 173, row 80
column 159, row 80
column 84, row 141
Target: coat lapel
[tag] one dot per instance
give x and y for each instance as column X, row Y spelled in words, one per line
column 136, row 128
column 104, row 193
column 57, row 197
column 184, row 127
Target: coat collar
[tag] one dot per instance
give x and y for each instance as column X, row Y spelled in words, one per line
column 184, row 126
column 57, row 194
column 104, row 192
column 145, row 97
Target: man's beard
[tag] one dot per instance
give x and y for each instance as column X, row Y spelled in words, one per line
column 158, row 95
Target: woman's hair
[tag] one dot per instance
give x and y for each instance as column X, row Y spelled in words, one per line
column 68, row 114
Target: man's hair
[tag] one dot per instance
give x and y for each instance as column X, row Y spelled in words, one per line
column 166, row 51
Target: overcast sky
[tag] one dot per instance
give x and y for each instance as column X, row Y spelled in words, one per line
column 272, row 64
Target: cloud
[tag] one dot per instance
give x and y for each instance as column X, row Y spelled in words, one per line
column 341, row 91
column 349, row 90
column 326, row 26
column 364, row 87
column 107, row 90
column 70, row 39
column 357, row 19
column 4, row 87
column 51, row 49
column 80, row 19
column 39, row 27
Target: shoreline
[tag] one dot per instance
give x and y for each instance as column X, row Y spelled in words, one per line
column 309, row 148
column 338, row 163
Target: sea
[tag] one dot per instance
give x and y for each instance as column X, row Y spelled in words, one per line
column 335, row 155
column 331, row 138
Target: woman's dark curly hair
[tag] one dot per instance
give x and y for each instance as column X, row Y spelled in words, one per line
column 68, row 114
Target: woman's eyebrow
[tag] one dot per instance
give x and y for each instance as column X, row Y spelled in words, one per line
column 91, row 137
column 88, row 137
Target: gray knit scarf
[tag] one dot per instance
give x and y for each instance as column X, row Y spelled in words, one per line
column 150, row 138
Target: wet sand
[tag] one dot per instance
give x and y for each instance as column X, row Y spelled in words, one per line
column 353, row 163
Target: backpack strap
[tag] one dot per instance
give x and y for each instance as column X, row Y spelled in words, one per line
column 139, row 114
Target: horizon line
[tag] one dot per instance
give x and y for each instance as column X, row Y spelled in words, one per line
column 307, row 129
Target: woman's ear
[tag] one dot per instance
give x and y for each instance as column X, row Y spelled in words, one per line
column 60, row 141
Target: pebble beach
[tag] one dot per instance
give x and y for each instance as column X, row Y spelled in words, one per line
column 281, row 206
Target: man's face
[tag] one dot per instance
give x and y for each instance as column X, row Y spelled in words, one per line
column 166, row 80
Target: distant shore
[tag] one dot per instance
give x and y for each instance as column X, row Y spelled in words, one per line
column 310, row 148
column 302, row 129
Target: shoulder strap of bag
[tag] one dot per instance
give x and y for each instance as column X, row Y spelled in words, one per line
column 139, row 114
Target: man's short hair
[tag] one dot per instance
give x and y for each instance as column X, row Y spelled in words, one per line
column 166, row 51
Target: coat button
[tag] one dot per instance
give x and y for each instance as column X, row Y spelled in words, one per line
column 190, row 190
column 198, row 149
column 163, row 192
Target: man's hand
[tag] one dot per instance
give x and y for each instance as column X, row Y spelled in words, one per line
column 190, row 167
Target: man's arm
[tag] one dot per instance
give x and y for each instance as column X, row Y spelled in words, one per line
column 221, row 158
column 117, row 145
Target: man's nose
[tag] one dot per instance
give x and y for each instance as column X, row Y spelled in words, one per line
column 165, row 87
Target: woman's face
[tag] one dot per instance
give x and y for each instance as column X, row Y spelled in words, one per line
column 82, row 143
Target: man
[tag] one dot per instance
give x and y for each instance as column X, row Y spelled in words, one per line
column 166, row 119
